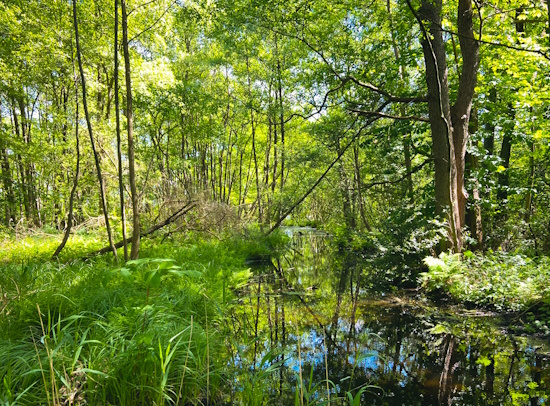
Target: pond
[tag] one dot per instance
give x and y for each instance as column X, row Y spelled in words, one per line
column 309, row 326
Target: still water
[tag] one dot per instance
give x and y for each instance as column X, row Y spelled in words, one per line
column 313, row 330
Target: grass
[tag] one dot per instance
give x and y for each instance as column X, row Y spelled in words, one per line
column 74, row 331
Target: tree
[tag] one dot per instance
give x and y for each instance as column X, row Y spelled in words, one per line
column 449, row 122
column 90, row 132
column 70, row 217
column 118, row 140
column 130, row 129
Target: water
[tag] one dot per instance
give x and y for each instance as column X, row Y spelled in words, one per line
column 309, row 311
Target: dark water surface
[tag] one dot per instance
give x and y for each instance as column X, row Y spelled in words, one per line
column 311, row 312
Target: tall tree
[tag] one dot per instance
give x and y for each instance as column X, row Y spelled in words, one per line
column 118, row 140
column 449, row 122
column 90, row 132
column 70, row 219
column 130, row 128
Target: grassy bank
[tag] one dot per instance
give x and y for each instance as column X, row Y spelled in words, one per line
column 94, row 332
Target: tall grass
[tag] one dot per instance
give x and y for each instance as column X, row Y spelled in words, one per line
column 81, row 332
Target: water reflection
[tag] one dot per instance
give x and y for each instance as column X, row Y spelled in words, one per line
column 311, row 311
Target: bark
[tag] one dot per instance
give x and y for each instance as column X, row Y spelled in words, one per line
column 212, row 173
column 22, row 188
column 347, row 208
column 281, row 114
column 8, row 182
column 253, row 127
column 169, row 220
column 402, row 111
column 440, row 120
column 320, row 179
column 32, row 196
column 90, row 133
column 275, row 150
column 267, row 161
column 360, row 187
column 473, row 215
column 130, row 128
column 446, row 377
column 118, row 139
column 70, row 218
column 449, row 125
column 240, row 202
column 461, row 111
column 220, row 177
column 530, row 182
column 503, row 178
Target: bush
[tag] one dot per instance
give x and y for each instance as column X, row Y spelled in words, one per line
column 503, row 281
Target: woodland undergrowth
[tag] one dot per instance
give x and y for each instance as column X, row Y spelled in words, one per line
column 96, row 332
column 501, row 281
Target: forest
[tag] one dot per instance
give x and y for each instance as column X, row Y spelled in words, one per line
column 252, row 202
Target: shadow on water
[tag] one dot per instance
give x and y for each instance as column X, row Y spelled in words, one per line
column 310, row 313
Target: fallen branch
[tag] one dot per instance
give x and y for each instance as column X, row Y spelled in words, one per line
column 184, row 210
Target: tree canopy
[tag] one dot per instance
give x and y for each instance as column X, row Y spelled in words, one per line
column 425, row 120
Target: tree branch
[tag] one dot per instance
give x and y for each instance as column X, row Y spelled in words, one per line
column 325, row 173
column 393, row 117
column 389, row 96
column 154, row 23
column 401, row 179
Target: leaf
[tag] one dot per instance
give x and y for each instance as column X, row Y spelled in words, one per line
column 167, row 264
column 483, row 360
column 440, row 329
column 154, row 279
column 185, row 272
column 90, row 371
column 126, row 275
column 434, row 263
column 134, row 263
column 106, row 279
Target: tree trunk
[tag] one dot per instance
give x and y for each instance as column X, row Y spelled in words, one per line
column 359, row 188
column 449, row 125
column 440, row 121
column 130, row 124
column 253, row 127
column 503, row 178
column 118, row 139
column 473, row 215
column 349, row 215
column 26, row 171
column 90, row 133
column 530, row 182
column 281, row 113
column 407, row 137
column 8, row 182
column 70, row 218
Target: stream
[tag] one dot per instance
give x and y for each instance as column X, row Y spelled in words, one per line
column 310, row 313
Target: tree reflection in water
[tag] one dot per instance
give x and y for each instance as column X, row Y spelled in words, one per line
column 409, row 351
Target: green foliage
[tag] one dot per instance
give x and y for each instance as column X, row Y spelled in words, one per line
column 148, row 332
column 506, row 282
column 256, row 246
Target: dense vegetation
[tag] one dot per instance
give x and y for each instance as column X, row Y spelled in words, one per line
column 150, row 150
